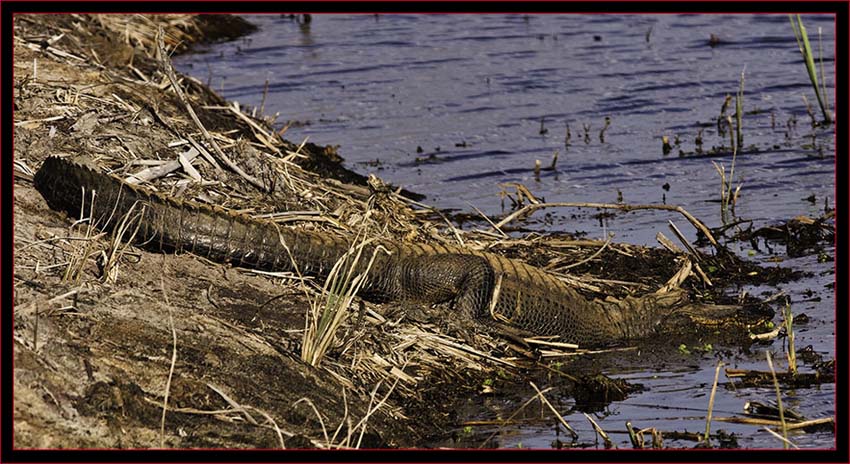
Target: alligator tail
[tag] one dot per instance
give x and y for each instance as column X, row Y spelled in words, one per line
column 164, row 224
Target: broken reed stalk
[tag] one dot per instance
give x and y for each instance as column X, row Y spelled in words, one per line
column 776, row 423
column 589, row 258
column 605, row 438
column 806, row 50
column 728, row 198
column 604, row 128
column 554, row 411
column 637, row 443
column 778, row 400
column 319, row 416
column 721, row 171
column 721, row 129
column 707, row 435
column 625, row 207
column 731, row 132
column 657, row 439
column 784, row 440
column 345, row 419
column 265, row 94
column 273, row 425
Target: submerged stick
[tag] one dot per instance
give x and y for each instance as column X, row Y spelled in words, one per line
column 776, row 423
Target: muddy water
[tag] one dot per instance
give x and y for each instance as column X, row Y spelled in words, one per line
column 451, row 107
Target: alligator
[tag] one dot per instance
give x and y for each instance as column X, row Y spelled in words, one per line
column 490, row 289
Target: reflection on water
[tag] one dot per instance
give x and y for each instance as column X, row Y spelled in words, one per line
column 452, row 106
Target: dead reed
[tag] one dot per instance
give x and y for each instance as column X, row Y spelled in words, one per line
column 327, row 314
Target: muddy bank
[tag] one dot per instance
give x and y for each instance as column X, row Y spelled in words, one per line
column 105, row 333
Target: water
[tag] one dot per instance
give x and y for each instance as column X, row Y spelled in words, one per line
column 451, row 106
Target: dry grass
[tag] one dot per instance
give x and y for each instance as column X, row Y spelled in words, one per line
column 140, row 31
column 327, row 313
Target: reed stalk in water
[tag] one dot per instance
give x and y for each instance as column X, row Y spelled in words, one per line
column 808, row 56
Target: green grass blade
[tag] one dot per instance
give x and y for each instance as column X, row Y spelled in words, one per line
column 808, row 57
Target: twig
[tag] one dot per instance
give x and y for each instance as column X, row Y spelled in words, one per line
column 173, row 362
column 667, row 243
column 589, row 258
column 259, row 133
column 234, row 404
column 496, row 228
column 785, row 442
column 468, row 349
column 776, row 423
column 205, row 153
column 678, row 233
column 554, row 411
column 33, row 306
column 605, row 438
column 534, row 341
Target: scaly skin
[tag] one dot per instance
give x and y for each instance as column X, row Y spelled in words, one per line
column 526, row 298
